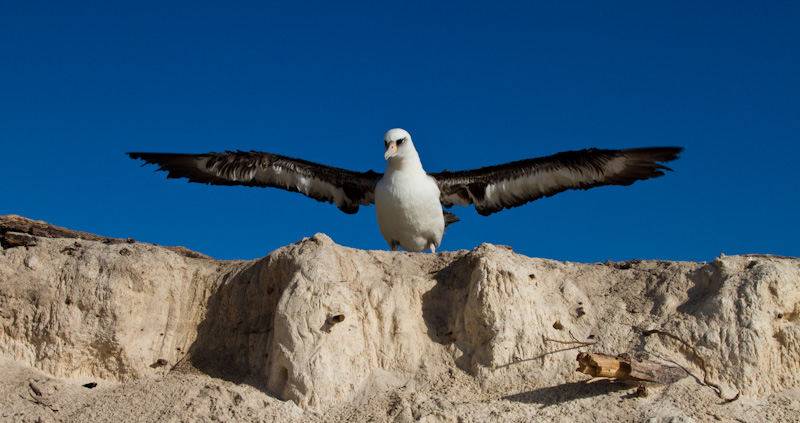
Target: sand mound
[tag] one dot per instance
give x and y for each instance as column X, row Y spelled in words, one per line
column 320, row 332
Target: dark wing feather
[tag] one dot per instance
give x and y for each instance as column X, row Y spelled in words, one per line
column 494, row 188
column 346, row 188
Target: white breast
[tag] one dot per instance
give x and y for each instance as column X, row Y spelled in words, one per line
column 409, row 211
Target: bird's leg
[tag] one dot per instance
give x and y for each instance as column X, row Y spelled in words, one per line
column 433, row 248
column 394, row 245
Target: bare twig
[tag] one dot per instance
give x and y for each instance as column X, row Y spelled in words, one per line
column 36, row 397
column 574, row 341
column 698, row 358
column 35, row 389
column 570, row 342
column 40, row 401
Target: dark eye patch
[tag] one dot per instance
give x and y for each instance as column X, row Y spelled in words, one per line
column 400, row 141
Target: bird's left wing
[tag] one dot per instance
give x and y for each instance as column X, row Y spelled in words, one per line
column 345, row 188
column 509, row 185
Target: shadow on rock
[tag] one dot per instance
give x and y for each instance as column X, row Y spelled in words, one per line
column 233, row 339
column 559, row 394
column 443, row 307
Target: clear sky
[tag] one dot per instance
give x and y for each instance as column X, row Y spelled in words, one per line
column 475, row 83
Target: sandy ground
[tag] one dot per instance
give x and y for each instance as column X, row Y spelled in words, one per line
column 446, row 396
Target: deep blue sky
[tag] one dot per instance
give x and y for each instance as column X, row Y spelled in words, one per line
column 475, row 84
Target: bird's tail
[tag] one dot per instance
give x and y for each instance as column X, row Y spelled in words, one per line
column 449, row 218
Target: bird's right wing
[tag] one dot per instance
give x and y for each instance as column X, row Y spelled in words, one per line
column 345, row 188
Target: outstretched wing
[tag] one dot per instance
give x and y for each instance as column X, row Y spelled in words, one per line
column 345, row 188
column 509, row 185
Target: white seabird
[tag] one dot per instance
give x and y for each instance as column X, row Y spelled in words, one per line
column 408, row 201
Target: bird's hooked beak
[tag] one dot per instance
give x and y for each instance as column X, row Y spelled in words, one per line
column 391, row 150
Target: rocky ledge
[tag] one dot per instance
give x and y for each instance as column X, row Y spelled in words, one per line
column 317, row 331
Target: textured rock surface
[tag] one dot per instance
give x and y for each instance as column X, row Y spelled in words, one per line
column 360, row 335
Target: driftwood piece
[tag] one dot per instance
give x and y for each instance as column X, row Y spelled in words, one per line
column 14, row 223
column 17, row 239
column 624, row 367
column 18, row 231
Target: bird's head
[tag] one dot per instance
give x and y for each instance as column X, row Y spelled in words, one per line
column 398, row 144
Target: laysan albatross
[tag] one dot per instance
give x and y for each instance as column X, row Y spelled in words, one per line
column 409, row 201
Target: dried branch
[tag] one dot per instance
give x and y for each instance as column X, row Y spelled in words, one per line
column 570, row 342
column 574, row 341
column 623, row 367
column 701, row 362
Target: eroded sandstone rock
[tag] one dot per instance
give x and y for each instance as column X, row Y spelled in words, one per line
column 319, row 324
